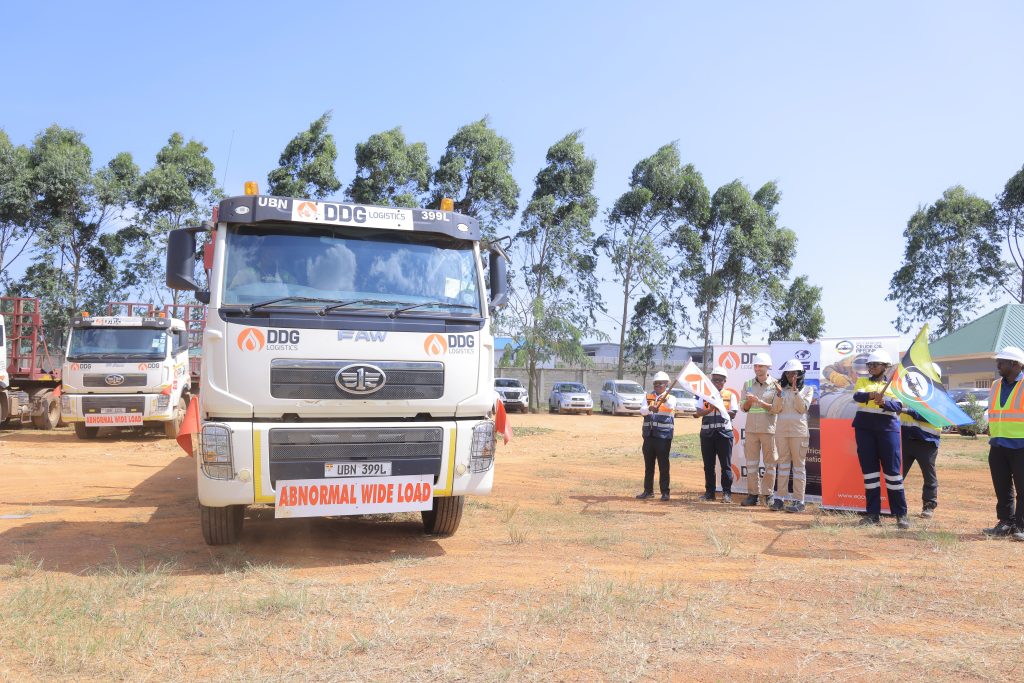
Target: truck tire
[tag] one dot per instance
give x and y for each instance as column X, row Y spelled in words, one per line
column 173, row 426
column 444, row 518
column 50, row 416
column 83, row 432
column 222, row 526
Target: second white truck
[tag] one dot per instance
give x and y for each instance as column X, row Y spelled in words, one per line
column 125, row 371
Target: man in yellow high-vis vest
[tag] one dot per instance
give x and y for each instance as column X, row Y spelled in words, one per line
column 1006, row 443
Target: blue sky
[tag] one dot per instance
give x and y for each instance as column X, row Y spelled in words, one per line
column 860, row 111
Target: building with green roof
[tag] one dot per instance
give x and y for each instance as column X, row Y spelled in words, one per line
column 966, row 355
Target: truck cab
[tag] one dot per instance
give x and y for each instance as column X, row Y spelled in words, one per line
column 347, row 361
column 125, row 371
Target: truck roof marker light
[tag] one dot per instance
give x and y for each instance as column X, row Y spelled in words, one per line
column 85, row 314
column 252, row 187
column 161, row 314
column 447, row 204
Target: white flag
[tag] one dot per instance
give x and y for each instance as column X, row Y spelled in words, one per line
column 697, row 382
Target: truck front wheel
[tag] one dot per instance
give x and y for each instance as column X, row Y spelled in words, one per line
column 49, row 417
column 443, row 519
column 173, row 426
column 222, row 526
column 83, row 432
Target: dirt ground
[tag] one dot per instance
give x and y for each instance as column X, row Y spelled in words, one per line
column 559, row 575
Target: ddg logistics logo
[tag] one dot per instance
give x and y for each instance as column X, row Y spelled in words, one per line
column 730, row 360
column 253, row 339
column 437, row 344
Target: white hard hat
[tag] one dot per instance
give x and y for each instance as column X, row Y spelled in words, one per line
column 719, row 370
column 762, row 359
column 937, row 369
column 1011, row 353
column 661, row 376
column 880, row 356
column 792, row 364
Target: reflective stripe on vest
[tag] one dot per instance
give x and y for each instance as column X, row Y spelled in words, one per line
column 750, row 385
column 920, row 424
column 660, row 424
column 1006, row 420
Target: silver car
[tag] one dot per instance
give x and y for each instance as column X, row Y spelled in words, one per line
column 621, row 397
column 570, row 397
column 686, row 401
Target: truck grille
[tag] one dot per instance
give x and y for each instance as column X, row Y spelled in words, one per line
column 313, row 379
column 355, row 443
column 132, row 380
column 131, row 404
column 302, row 453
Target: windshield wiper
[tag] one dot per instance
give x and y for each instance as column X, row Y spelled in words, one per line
column 398, row 311
column 252, row 307
column 352, row 302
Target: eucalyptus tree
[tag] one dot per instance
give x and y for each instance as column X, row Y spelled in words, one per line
column 951, row 259
column 664, row 199
column 554, row 310
column 475, row 172
column 389, row 171
column 306, row 166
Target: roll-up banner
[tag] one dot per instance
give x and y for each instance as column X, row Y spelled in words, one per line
column 738, row 361
column 843, row 361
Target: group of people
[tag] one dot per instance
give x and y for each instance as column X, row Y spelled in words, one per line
column 890, row 438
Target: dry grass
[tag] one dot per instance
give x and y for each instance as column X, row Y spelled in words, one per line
column 561, row 577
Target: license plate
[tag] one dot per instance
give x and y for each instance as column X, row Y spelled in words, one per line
column 357, row 469
column 117, row 420
column 111, row 411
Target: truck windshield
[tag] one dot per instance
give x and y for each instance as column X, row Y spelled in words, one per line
column 109, row 342
column 388, row 271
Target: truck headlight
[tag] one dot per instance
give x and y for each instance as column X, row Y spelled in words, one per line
column 215, row 452
column 65, row 403
column 163, row 402
column 481, row 454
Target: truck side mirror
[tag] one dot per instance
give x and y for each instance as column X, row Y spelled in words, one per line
column 499, row 279
column 181, row 259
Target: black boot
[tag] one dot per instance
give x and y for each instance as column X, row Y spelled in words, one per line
column 750, row 501
column 645, row 495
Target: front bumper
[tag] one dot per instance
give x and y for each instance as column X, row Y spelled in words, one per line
column 252, row 480
column 75, row 407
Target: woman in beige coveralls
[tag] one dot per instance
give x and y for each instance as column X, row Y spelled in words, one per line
column 791, row 437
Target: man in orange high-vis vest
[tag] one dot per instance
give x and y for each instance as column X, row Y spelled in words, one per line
column 659, row 425
column 1006, row 443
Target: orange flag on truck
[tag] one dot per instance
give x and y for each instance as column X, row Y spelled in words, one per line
column 189, row 426
column 501, row 422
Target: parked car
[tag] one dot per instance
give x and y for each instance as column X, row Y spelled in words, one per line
column 513, row 394
column 686, row 401
column 621, row 397
column 570, row 397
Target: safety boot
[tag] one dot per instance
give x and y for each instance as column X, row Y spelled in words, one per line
column 902, row 522
column 750, row 501
column 869, row 520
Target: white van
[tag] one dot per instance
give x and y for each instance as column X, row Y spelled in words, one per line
column 621, row 397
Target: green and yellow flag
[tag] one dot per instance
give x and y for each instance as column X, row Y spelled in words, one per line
column 917, row 386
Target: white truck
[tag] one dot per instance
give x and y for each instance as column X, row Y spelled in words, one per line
column 125, row 371
column 347, row 361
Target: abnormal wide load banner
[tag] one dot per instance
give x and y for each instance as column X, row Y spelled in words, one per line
column 843, row 361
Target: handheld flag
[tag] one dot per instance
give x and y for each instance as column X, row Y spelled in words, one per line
column 692, row 377
column 917, row 386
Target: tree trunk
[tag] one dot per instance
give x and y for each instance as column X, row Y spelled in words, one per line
column 531, row 381
column 622, row 331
